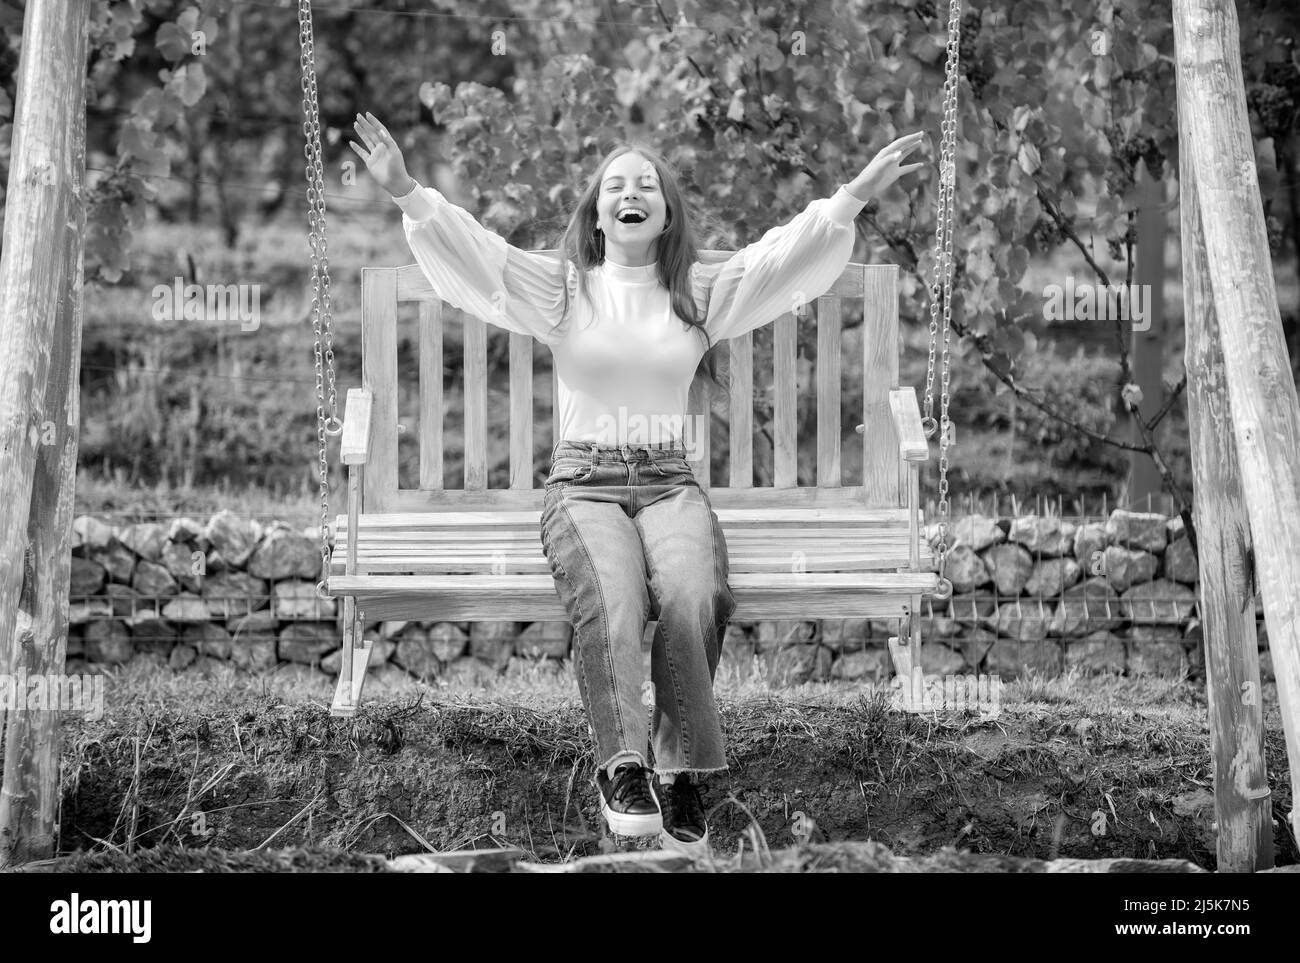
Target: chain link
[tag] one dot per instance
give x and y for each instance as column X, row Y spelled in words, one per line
column 941, row 281
column 322, row 319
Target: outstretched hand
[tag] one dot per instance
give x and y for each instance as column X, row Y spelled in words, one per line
column 382, row 155
column 887, row 167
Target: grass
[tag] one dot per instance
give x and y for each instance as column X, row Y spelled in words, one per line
column 230, row 765
column 545, row 683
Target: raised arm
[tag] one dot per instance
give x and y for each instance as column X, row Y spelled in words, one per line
column 477, row 271
column 797, row 261
column 468, row 265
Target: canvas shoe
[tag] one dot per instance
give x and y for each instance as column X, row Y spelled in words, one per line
column 685, row 828
column 627, row 801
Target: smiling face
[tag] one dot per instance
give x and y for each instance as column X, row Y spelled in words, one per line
column 630, row 207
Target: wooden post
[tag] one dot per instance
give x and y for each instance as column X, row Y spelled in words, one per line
column 1227, row 605
column 1264, row 409
column 40, row 340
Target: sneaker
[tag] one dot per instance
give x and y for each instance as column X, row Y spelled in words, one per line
column 685, row 828
column 629, row 805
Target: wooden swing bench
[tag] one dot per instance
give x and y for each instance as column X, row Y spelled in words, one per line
column 821, row 551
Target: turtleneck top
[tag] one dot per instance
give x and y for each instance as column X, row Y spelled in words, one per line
column 624, row 360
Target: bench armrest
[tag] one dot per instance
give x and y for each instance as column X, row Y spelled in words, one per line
column 355, row 445
column 906, row 413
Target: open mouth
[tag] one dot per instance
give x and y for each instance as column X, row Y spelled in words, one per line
column 631, row 215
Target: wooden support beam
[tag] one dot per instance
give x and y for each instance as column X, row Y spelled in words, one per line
column 352, row 666
column 40, row 342
column 1222, row 533
column 354, row 656
column 1265, row 412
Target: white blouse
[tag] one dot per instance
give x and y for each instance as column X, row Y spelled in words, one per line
column 624, row 361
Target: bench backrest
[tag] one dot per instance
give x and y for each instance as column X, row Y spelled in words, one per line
column 874, row 286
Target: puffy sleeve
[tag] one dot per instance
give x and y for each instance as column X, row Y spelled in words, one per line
column 797, row 261
column 476, row 270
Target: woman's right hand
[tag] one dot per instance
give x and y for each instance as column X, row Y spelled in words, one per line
column 382, row 155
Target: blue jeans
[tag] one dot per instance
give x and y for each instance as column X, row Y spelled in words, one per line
column 631, row 536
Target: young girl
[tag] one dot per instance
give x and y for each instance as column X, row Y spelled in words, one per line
column 629, row 313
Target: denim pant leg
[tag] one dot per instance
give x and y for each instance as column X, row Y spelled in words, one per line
column 686, row 560
column 599, row 570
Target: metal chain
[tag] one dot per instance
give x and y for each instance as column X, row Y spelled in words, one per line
column 941, row 283
column 322, row 320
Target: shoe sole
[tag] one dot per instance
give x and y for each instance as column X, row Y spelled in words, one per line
column 631, row 824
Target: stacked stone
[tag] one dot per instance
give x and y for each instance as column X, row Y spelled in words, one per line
column 1031, row 594
column 188, row 595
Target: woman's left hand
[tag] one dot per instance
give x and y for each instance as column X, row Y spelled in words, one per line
column 886, row 167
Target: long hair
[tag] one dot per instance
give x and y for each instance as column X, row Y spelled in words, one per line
column 676, row 249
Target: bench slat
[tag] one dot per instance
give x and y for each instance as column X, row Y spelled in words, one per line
column 785, row 405
column 736, row 549
column 895, row 583
column 475, row 332
column 741, row 433
column 487, row 564
column 379, row 375
column 481, row 519
column 506, row 499
column 828, row 392
column 431, row 396
column 533, row 597
column 882, row 554
column 880, row 359
column 735, row 552
column 521, row 411
column 555, row 412
column 737, row 546
column 700, row 406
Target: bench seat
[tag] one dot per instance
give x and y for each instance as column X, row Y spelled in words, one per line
column 791, row 564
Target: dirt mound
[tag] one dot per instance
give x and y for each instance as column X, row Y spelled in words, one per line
column 403, row 777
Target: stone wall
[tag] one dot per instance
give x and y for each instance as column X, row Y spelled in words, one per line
column 1031, row 594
